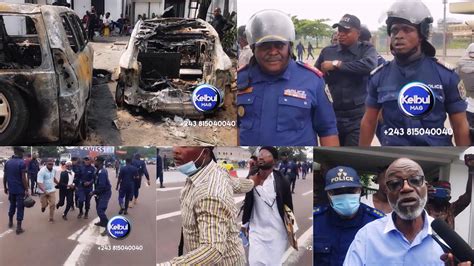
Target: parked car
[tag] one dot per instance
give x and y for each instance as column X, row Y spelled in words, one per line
column 45, row 75
column 165, row 60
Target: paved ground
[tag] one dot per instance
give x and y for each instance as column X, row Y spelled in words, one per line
column 78, row 241
column 168, row 218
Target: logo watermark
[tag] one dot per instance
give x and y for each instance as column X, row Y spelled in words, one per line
column 207, row 98
column 416, row 100
column 118, row 227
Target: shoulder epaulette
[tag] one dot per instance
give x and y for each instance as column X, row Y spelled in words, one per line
column 320, row 210
column 310, row 68
column 444, row 64
column 377, row 69
column 374, row 212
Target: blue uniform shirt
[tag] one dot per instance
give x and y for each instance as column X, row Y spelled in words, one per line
column 333, row 235
column 141, row 166
column 127, row 174
column 288, row 109
column 380, row 242
column 384, row 88
column 288, row 168
column 33, row 167
column 13, row 170
column 87, row 175
column 102, row 184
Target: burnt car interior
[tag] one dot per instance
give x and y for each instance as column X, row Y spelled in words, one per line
column 19, row 43
column 173, row 53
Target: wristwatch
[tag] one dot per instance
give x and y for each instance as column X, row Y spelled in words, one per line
column 335, row 63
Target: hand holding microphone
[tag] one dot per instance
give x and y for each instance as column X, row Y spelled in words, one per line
column 458, row 248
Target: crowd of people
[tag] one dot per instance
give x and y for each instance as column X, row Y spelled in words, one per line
column 104, row 25
column 77, row 180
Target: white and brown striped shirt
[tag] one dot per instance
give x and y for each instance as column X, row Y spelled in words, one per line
column 209, row 213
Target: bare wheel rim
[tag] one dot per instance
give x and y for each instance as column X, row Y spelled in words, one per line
column 5, row 113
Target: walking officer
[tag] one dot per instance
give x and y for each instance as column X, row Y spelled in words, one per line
column 127, row 175
column 414, row 91
column 86, row 183
column 141, row 166
column 346, row 66
column 15, row 182
column 280, row 101
column 103, row 191
column 335, row 226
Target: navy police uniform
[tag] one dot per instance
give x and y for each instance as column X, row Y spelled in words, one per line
column 141, row 166
column 87, row 179
column 13, row 172
column 103, row 190
column 383, row 92
column 333, row 235
column 127, row 175
column 348, row 86
column 287, row 109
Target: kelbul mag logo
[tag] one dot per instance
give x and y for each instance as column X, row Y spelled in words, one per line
column 416, row 100
column 206, row 98
column 118, row 227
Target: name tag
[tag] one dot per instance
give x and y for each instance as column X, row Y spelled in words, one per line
column 300, row 94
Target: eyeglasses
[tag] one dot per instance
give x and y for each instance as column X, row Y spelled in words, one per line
column 397, row 184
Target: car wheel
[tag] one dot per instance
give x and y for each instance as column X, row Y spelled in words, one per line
column 83, row 127
column 119, row 96
column 14, row 115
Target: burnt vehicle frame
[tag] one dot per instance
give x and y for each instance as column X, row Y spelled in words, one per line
column 165, row 59
column 45, row 75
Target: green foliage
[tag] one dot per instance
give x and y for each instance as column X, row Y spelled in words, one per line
column 316, row 28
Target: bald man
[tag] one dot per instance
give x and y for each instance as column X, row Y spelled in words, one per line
column 404, row 236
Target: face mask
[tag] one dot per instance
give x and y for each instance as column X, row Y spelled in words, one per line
column 345, row 204
column 189, row 168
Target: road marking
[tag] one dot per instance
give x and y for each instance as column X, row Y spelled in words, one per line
column 176, row 213
column 168, row 188
column 307, row 193
column 6, row 233
column 87, row 236
column 291, row 256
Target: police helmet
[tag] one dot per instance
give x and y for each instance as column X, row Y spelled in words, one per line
column 29, row 202
column 269, row 25
column 416, row 13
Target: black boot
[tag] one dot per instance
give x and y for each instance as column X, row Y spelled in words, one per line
column 19, row 230
column 10, row 221
column 86, row 215
column 80, row 214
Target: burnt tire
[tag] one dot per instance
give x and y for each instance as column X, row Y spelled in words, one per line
column 119, row 96
column 83, row 127
column 14, row 115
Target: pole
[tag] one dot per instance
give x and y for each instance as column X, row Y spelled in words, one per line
column 444, row 29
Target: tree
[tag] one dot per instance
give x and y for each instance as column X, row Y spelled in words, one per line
column 316, row 28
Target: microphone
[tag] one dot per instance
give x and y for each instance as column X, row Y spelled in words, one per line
column 460, row 249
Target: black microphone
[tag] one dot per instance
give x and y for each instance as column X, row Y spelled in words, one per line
column 460, row 249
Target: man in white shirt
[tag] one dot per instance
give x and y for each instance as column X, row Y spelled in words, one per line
column 245, row 51
column 46, row 182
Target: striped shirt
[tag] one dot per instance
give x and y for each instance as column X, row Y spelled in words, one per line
column 209, row 214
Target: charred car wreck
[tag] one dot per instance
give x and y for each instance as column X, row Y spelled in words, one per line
column 166, row 58
column 45, row 75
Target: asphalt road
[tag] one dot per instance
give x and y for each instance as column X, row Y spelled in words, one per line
column 78, row 241
column 168, row 219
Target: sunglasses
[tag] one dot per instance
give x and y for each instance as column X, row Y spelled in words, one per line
column 397, row 184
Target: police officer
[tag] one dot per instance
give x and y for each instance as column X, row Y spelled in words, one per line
column 141, row 166
column 335, row 226
column 15, row 182
column 347, row 66
column 280, row 101
column 33, row 169
column 414, row 91
column 127, row 175
column 289, row 169
column 76, row 168
column 103, row 191
column 159, row 168
column 86, row 182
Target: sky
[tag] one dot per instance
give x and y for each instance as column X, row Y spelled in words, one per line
column 370, row 12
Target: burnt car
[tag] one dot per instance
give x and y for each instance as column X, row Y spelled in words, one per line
column 165, row 60
column 45, row 74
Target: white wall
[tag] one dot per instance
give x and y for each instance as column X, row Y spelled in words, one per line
column 458, row 180
column 80, row 7
column 114, row 7
column 140, row 8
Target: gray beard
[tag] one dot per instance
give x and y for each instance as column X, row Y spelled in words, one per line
column 411, row 213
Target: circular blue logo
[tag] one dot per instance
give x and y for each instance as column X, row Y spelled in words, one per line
column 416, row 100
column 206, row 98
column 118, row 227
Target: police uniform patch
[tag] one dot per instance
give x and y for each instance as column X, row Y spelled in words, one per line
column 311, row 68
column 328, row 93
column 241, row 111
column 462, row 90
column 374, row 212
column 445, row 64
column 245, row 91
column 300, row 94
column 320, row 210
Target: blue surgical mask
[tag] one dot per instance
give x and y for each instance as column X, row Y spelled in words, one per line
column 345, row 204
column 189, row 168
